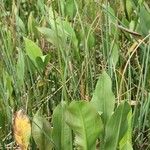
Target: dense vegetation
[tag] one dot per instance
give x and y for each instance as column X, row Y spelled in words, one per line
column 80, row 69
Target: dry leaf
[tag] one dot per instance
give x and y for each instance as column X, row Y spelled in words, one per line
column 22, row 129
column 132, row 48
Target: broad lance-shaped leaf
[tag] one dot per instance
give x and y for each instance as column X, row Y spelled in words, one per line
column 86, row 123
column 103, row 98
column 49, row 34
column 22, row 129
column 41, row 132
column 116, row 127
column 32, row 50
column 70, row 8
column 61, row 134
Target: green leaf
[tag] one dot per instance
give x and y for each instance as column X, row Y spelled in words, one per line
column 129, row 8
column 61, row 134
column 103, row 98
column 110, row 13
column 144, row 21
column 127, row 146
column 3, row 119
column 41, row 132
column 116, row 127
column 42, row 61
column 32, row 50
column 86, row 124
column 114, row 54
column 91, row 40
column 126, row 141
column 20, row 24
column 32, row 25
column 49, row 34
column 7, row 85
column 70, row 33
column 70, row 8
column 20, row 68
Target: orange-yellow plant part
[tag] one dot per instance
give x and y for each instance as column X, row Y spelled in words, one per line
column 22, row 129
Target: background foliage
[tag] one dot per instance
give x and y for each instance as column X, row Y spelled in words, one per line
column 81, row 71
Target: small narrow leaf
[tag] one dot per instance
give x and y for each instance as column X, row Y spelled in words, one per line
column 114, row 54
column 86, row 123
column 42, row 61
column 20, row 68
column 22, row 129
column 129, row 8
column 61, row 134
column 103, row 98
column 41, row 132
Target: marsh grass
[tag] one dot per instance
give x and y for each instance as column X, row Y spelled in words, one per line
column 84, row 39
